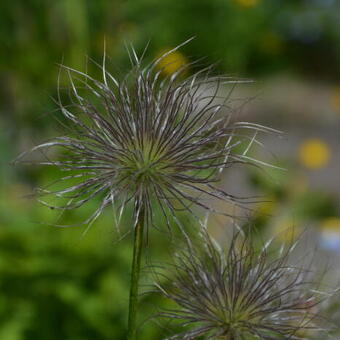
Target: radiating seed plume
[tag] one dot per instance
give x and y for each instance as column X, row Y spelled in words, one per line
column 145, row 139
column 243, row 293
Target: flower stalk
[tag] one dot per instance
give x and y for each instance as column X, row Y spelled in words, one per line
column 135, row 274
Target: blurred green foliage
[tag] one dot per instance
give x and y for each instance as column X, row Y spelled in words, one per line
column 62, row 283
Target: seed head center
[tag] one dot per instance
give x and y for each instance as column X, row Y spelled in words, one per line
column 145, row 165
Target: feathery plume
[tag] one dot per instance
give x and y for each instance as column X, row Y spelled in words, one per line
column 243, row 293
column 144, row 140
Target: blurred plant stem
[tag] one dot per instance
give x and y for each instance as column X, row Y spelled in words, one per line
column 135, row 271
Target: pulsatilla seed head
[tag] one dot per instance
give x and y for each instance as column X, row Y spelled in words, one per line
column 243, row 293
column 146, row 139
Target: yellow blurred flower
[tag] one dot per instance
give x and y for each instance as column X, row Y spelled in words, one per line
column 247, row 3
column 172, row 62
column 330, row 224
column 314, row 153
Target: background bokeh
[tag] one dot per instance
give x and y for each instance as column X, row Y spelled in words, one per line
column 61, row 284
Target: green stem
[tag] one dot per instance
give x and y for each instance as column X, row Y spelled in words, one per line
column 135, row 271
